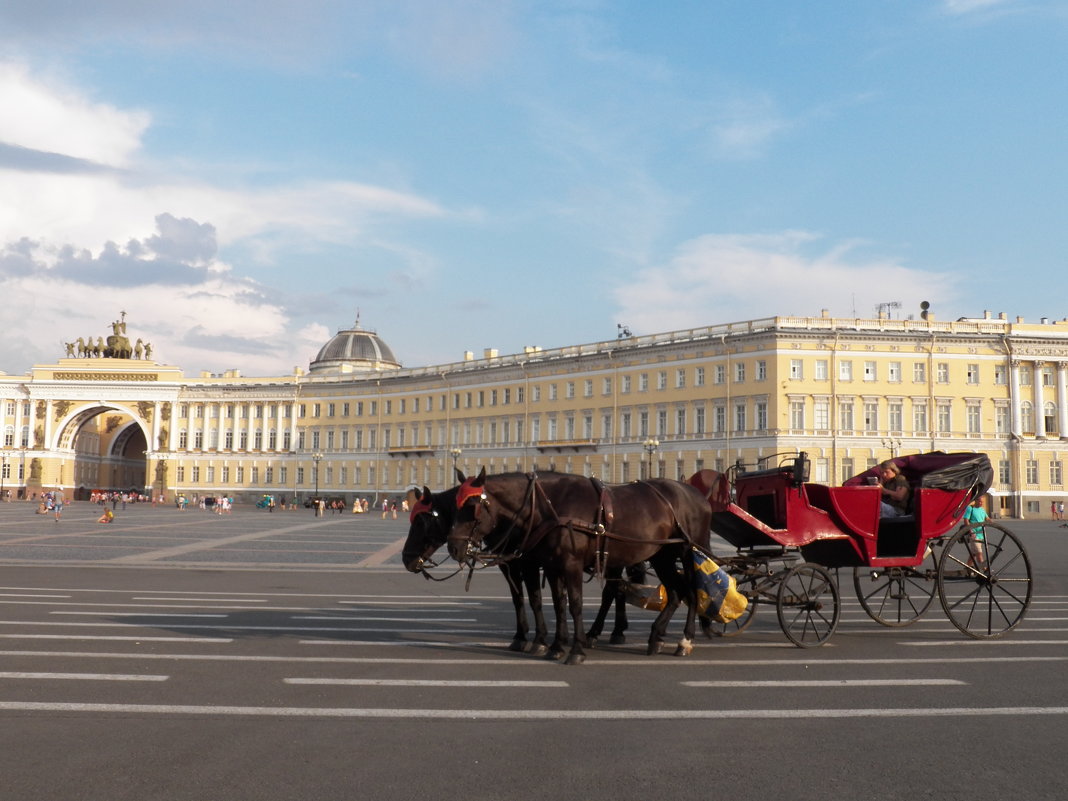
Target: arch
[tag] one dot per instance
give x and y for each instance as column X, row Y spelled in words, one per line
column 113, row 456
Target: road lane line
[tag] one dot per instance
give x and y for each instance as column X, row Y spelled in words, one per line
column 81, row 676
column 113, row 638
column 511, row 715
column 425, row 683
column 828, row 683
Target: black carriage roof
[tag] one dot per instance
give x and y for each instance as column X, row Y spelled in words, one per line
column 940, row 470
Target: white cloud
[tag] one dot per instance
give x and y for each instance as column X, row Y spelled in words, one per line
column 968, row 6
column 718, row 278
column 743, row 129
column 50, row 118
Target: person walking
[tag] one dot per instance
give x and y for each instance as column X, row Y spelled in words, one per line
column 57, row 504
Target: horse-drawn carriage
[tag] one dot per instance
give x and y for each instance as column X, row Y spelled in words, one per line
column 789, row 534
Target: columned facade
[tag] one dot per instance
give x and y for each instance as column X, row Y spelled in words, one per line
column 848, row 392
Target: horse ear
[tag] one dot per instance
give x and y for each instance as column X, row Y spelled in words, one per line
column 426, row 494
column 480, row 479
column 460, row 477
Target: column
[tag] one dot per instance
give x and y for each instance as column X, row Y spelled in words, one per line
column 1040, row 416
column 1062, row 399
column 1014, row 394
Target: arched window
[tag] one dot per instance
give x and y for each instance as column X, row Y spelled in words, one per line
column 1027, row 418
column 1049, row 413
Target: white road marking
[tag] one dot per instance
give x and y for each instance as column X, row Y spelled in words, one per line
column 81, row 676
column 531, row 714
column 988, row 642
column 113, row 638
column 519, row 660
column 206, row 600
column 828, row 683
column 16, row 595
column 136, row 614
column 387, row 619
column 425, row 683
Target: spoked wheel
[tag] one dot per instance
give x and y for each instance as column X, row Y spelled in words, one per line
column 808, row 605
column 985, row 585
column 896, row 596
column 734, row 627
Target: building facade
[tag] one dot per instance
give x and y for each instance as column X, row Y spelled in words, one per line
column 849, row 392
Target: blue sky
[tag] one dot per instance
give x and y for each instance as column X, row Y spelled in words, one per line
column 242, row 177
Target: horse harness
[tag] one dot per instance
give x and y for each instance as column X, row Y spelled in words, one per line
column 600, row 527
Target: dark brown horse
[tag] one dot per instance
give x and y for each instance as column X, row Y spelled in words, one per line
column 570, row 525
column 431, row 518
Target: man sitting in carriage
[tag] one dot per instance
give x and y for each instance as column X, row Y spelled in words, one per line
column 895, row 490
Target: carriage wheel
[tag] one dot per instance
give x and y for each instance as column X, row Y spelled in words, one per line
column 985, row 586
column 735, row 627
column 896, row 596
column 808, row 605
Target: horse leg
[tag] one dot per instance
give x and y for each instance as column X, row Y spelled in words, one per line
column 573, row 582
column 532, row 580
column 687, row 589
column 559, row 595
column 635, row 575
column 612, row 592
column 512, row 576
column 669, row 577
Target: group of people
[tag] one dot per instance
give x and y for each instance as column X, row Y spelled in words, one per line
column 1056, row 510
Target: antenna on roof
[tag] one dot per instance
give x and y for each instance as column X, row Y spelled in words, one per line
column 622, row 331
column 884, row 308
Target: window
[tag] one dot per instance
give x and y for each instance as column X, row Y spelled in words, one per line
column 569, row 390
column 1047, row 376
column 606, row 386
column 797, row 415
column 626, row 384
column 739, row 417
column 919, row 417
column 974, row 418
column 1055, row 473
column 762, row 416
column 944, row 423
column 1001, row 419
column 797, row 369
column 661, row 423
column 1032, row 471
column 643, row 382
column 942, row 372
column 845, row 415
column 680, row 422
column 821, row 373
column 661, row 380
column 893, row 372
column 739, row 372
column 552, row 392
column 643, row 424
column 1000, row 375
column 972, row 374
column 871, row 416
column 699, row 420
column 1049, row 417
column 822, row 415
column 587, row 388
column 699, row 377
column 1004, row 472
column 845, row 370
column 848, row 469
column 919, row 373
column 870, row 372
column 719, row 419
column 1027, row 418
column 680, row 378
column 1026, row 376
column 720, row 376
column 761, row 370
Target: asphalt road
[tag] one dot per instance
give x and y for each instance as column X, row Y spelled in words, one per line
column 184, row 655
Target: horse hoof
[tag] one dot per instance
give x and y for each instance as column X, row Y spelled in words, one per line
column 539, row 649
column 554, row 655
column 654, row 648
column 575, row 659
column 685, row 648
column 617, row 639
column 518, row 645
column 591, row 642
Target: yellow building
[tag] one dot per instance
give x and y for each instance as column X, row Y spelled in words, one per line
column 850, row 392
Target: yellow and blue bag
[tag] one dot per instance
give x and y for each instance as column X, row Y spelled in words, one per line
column 717, row 591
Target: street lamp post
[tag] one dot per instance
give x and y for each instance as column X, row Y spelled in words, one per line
column 650, row 446
column 455, row 454
column 892, row 445
column 316, row 458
